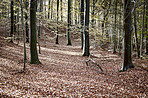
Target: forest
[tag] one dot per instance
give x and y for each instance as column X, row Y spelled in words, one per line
column 74, row 48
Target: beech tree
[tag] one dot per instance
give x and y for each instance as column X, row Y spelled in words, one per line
column 127, row 60
column 146, row 27
column 12, row 20
column 57, row 42
column 69, row 23
column 82, row 20
column 26, row 24
column 33, row 37
column 86, row 30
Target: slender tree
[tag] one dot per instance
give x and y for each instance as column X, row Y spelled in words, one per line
column 23, row 28
column 146, row 27
column 18, row 25
column 69, row 23
column 142, row 33
column 86, row 30
column 61, row 3
column 12, row 20
column 57, row 42
column 26, row 24
column 115, row 28
column 127, row 60
column 48, row 9
column 82, row 20
column 135, row 31
column 33, row 37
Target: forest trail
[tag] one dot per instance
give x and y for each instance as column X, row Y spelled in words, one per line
column 63, row 73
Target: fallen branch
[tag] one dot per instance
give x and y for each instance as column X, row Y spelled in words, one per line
column 94, row 63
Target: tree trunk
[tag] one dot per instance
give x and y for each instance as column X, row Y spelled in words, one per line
column 136, row 38
column 23, row 28
column 61, row 10
column 69, row 23
column 18, row 37
column 82, row 20
column 86, row 30
column 115, row 28
column 48, row 9
column 57, row 42
column 12, row 20
column 51, row 8
column 147, row 27
column 33, row 37
column 26, row 24
column 127, row 60
column 141, row 42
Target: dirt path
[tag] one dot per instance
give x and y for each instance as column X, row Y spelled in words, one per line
column 63, row 73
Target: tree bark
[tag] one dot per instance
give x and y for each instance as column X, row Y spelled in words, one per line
column 33, row 37
column 147, row 27
column 23, row 27
column 69, row 23
column 26, row 24
column 127, row 60
column 136, row 38
column 115, row 28
column 12, row 20
column 142, row 35
column 82, row 20
column 86, row 30
column 61, row 10
column 57, row 42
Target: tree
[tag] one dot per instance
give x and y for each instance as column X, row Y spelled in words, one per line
column 12, row 20
column 142, row 33
column 82, row 20
column 61, row 3
column 127, row 60
column 86, row 30
column 115, row 28
column 57, row 22
column 26, row 24
column 48, row 9
column 146, row 27
column 33, row 37
column 69, row 23
column 23, row 28
column 135, row 31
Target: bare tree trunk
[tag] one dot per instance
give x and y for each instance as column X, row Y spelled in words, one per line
column 136, row 38
column 69, row 23
column 146, row 27
column 127, row 60
column 115, row 28
column 49, row 9
column 12, row 20
column 23, row 28
column 33, row 37
column 61, row 10
column 26, row 24
column 82, row 20
column 86, row 30
column 141, row 42
column 57, row 42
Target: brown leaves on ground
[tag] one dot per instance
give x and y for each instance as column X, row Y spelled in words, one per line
column 63, row 73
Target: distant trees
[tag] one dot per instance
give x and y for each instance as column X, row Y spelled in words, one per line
column 105, row 16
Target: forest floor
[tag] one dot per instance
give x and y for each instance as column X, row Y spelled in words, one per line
column 64, row 73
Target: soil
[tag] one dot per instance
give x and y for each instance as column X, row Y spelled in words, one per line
column 64, row 73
